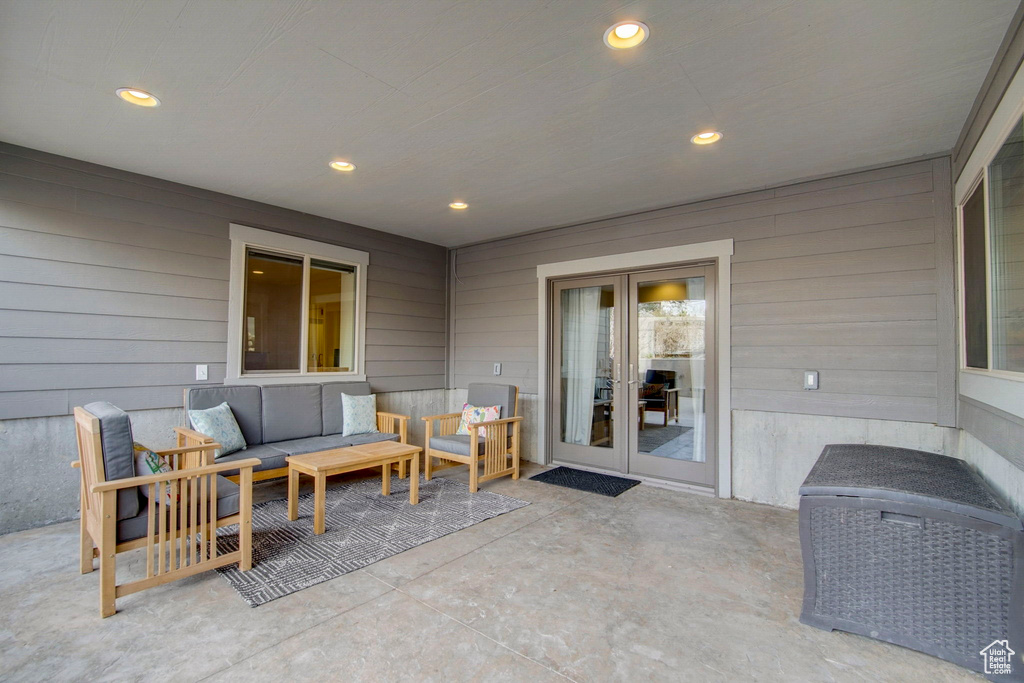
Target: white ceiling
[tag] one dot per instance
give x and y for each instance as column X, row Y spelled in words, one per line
column 515, row 106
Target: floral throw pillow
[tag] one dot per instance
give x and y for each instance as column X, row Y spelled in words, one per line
column 360, row 414
column 472, row 414
column 219, row 424
column 146, row 463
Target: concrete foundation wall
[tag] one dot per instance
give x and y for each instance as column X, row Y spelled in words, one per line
column 40, row 487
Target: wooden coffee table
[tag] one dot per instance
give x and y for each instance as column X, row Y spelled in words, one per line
column 323, row 464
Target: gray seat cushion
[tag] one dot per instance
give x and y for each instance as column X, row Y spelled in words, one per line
column 326, row 443
column 228, row 496
column 246, row 405
column 360, row 439
column 455, row 443
column 333, row 417
column 271, row 458
column 118, row 454
column 291, row 411
column 312, row 444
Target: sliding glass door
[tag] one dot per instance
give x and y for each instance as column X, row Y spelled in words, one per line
column 633, row 381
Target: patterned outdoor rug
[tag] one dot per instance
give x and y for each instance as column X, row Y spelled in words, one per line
column 581, row 480
column 653, row 436
column 363, row 527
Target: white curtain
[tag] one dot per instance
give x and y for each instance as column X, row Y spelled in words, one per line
column 695, row 291
column 581, row 318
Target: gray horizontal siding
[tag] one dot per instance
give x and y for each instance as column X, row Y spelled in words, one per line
column 839, row 274
column 114, row 286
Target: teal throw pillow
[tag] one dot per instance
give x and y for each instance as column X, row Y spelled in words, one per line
column 359, row 413
column 219, row 424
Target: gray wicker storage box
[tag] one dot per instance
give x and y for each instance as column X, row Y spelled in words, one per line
column 912, row 548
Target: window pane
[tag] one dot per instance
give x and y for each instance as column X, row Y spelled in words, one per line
column 273, row 306
column 975, row 301
column 1006, row 237
column 332, row 317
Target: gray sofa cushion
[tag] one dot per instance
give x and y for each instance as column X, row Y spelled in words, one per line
column 246, row 405
column 136, row 527
column 118, row 454
column 326, row 443
column 271, row 458
column 360, row 439
column 455, row 443
column 333, row 418
column 291, row 411
column 312, row 444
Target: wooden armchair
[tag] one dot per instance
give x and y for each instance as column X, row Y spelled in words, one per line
column 175, row 521
column 497, row 449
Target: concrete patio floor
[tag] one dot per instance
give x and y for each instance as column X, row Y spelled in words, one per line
column 652, row 585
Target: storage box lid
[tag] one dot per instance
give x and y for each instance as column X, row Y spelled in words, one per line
column 904, row 475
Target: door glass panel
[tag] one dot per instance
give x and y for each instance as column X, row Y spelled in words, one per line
column 332, row 310
column 587, row 358
column 670, row 353
column 273, row 312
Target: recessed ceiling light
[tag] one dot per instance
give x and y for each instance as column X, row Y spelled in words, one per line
column 342, row 166
column 459, row 205
column 626, row 34
column 706, row 138
column 139, row 97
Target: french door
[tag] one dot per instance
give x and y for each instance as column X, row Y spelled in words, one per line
column 634, row 374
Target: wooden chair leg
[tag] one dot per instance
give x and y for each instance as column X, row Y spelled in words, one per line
column 474, row 476
column 401, row 469
column 108, row 558
column 428, row 469
column 86, row 547
column 515, row 465
column 245, row 520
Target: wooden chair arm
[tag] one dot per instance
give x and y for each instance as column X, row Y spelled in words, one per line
column 119, row 484
column 181, row 450
column 396, row 416
column 672, row 391
column 430, row 418
column 185, row 432
column 503, row 421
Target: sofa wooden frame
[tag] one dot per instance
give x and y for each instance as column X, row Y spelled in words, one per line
column 386, row 422
column 183, row 543
column 500, row 456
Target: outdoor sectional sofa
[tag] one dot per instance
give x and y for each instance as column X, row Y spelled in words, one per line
column 278, row 420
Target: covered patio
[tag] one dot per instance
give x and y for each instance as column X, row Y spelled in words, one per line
column 297, row 298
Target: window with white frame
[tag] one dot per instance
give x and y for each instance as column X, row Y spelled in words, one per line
column 992, row 261
column 297, row 308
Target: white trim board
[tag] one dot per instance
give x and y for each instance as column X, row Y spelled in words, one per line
column 242, row 236
column 721, row 251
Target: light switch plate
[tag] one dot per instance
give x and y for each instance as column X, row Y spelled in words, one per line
column 811, row 380
column 202, row 373
column 497, row 368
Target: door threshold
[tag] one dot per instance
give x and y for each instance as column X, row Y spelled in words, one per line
column 707, row 491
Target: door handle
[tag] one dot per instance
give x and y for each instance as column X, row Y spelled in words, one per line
column 632, row 381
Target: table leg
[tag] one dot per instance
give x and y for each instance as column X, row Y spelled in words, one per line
column 293, row 494
column 320, row 503
column 385, row 480
column 414, row 479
